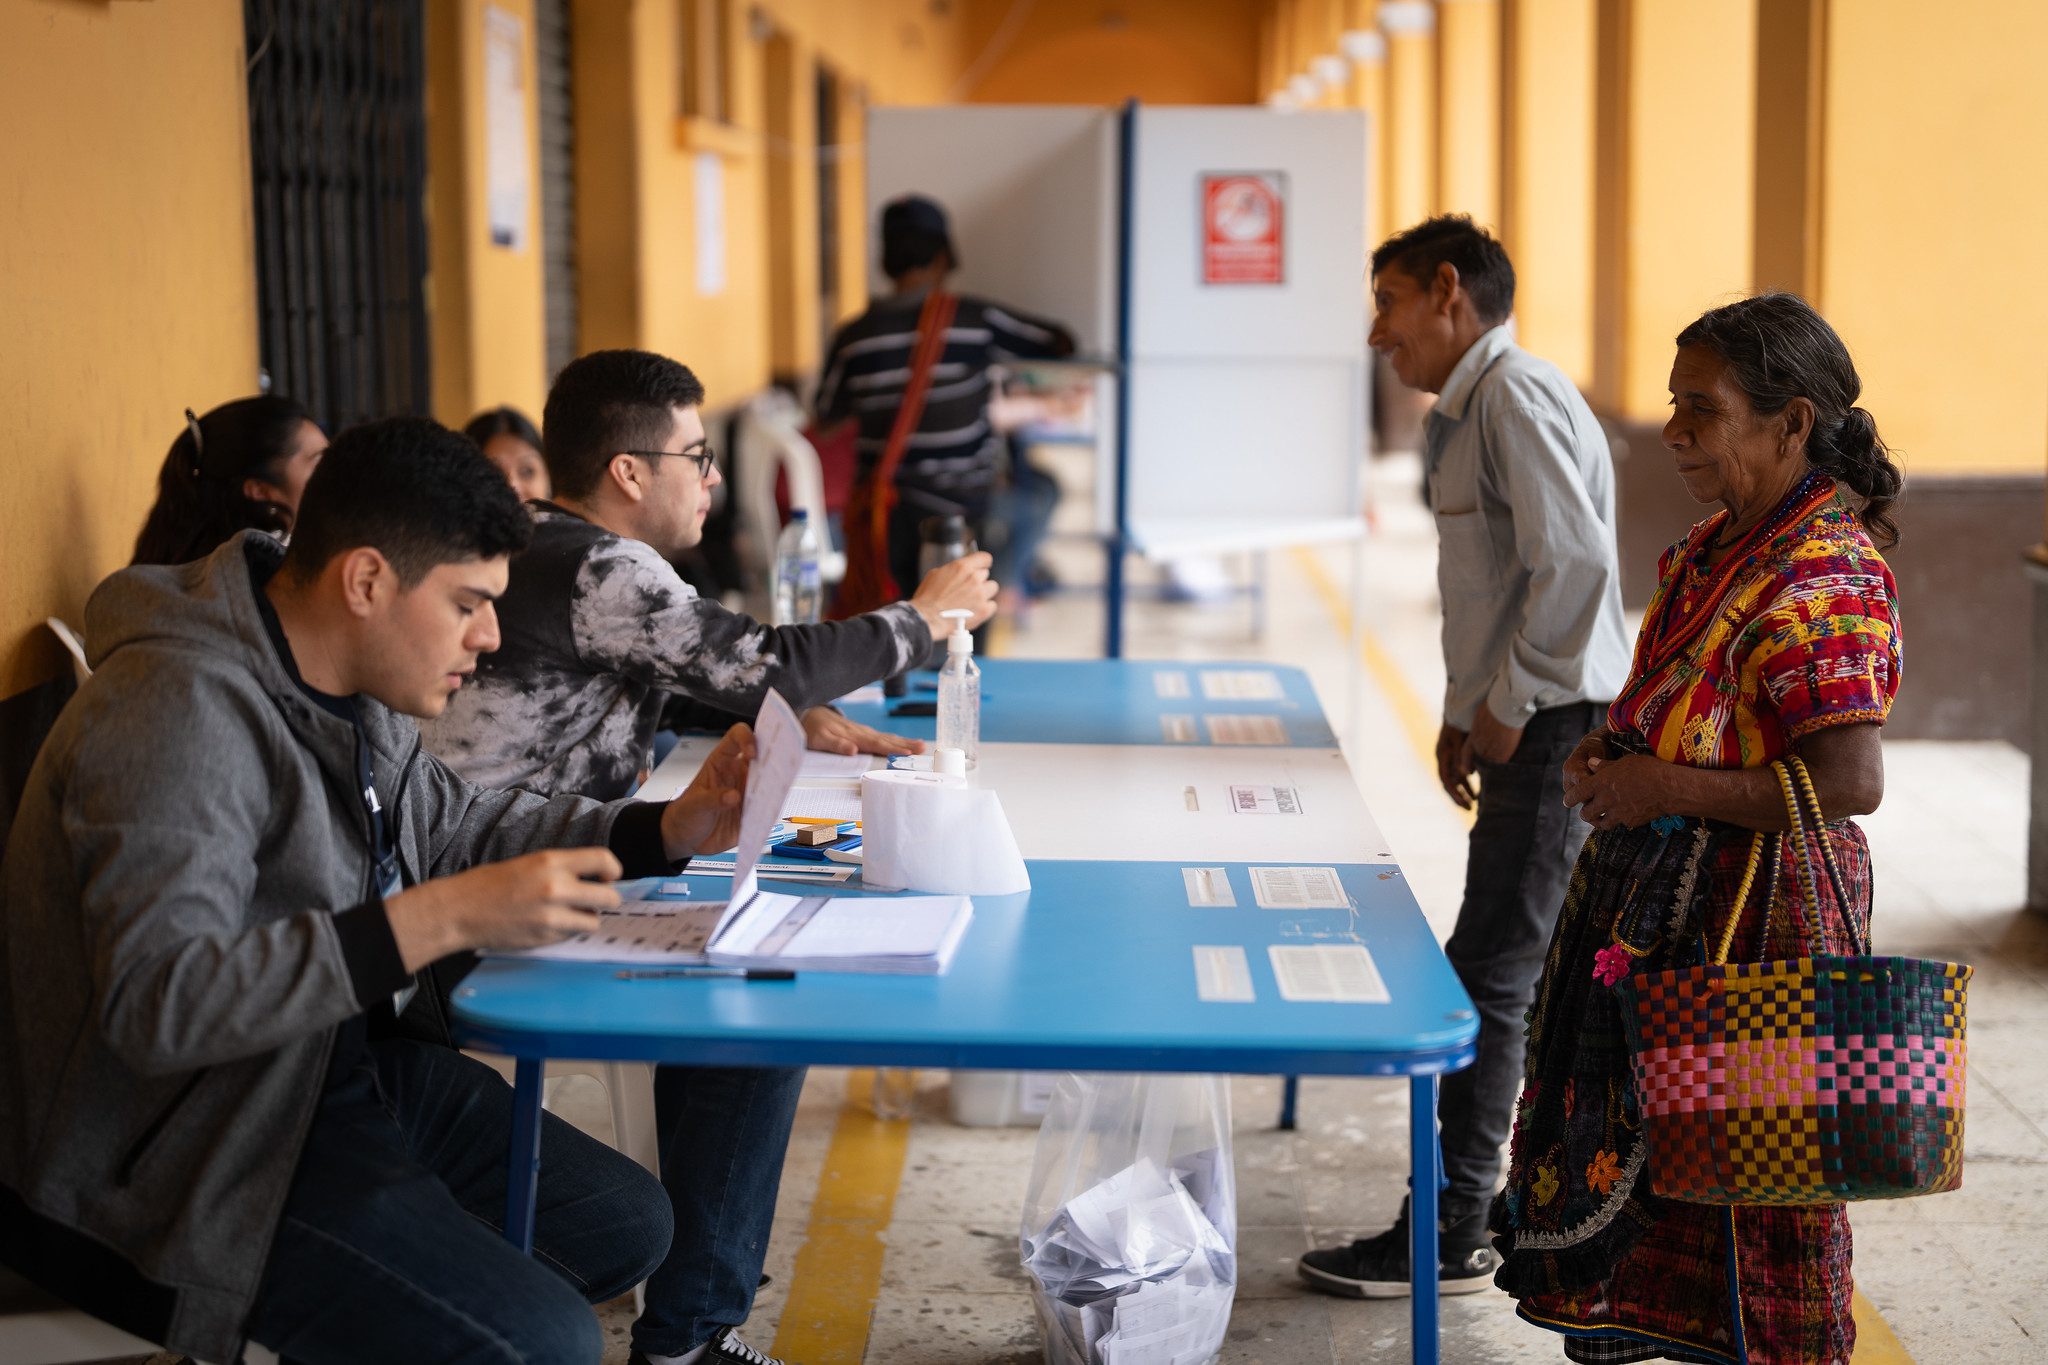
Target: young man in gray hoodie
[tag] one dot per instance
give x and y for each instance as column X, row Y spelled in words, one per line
column 226, row 1110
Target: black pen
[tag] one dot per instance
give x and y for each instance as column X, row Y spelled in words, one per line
column 713, row 973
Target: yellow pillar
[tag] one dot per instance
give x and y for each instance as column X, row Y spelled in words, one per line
column 791, row 122
column 1468, row 109
column 1365, row 47
column 1409, row 187
column 1674, row 184
column 1546, row 210
column 1932, row 122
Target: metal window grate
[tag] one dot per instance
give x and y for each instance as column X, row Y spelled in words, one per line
column 337, row 151
column 552, row 52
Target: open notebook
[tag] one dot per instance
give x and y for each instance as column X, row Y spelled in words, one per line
column 911, row 935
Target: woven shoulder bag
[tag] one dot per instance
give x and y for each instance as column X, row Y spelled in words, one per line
column 1813, row 1080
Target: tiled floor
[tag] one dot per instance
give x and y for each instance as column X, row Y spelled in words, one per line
column 1959, row 1278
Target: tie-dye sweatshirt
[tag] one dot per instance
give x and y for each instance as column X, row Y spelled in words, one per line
column 599, row 630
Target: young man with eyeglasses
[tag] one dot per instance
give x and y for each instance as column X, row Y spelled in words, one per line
column 599, row 634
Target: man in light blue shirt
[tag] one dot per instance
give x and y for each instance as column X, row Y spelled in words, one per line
column 1521, row 481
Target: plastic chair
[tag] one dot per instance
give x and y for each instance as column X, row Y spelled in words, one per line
column 73, row 646
column 38, row 1329
column 769, row 440
column 629, row 1086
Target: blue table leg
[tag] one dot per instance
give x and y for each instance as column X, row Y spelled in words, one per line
column 1422, row 1190
column 1290, row 1091
column 522, row 1162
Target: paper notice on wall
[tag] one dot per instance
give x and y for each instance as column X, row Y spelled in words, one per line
column 1242, row 684
column 1175, row 728
column 508, row 185
column 1329, row 973
column 1299, row 888
column 1254, row 729
column 1259, row 799
column 1208, row 886
column 1223, row 974
column 1170, row 684
column 710, row 196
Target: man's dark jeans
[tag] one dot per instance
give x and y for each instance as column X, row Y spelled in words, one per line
column 392, row 1244
column 1517, row 867
column 724, row 1132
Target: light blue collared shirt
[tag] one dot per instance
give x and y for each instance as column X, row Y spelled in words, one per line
column 1521, row 480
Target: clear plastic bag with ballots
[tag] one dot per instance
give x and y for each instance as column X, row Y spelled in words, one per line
column 1130, row 1223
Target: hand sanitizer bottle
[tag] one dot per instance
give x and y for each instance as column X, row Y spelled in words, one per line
column 960, row 692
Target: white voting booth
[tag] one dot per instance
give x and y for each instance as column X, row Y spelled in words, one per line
column 1213, row 261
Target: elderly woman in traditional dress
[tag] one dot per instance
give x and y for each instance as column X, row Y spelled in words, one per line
column 1774, row 631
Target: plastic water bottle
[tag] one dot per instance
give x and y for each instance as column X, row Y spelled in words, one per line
column 895, row 1093
column 797, row 587
column 960, row 692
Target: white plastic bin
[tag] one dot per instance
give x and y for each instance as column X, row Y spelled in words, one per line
column 1001, row 1099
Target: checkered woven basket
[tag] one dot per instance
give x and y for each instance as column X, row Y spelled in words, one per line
column 1807, row 1081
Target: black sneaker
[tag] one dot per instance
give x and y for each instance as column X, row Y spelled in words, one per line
column 726, row 1349
column 1377, row 1267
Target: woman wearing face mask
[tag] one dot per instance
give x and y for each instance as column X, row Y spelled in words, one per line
column 241, row 466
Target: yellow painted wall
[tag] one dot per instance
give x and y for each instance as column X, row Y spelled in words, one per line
column 1409, row 184
column 637, row 168
column 1930, row 265
column 1085, row 52
column 1468, row 109
column 1683, row 184
column 127, row 282
column 486, row 306
column 1547, row 181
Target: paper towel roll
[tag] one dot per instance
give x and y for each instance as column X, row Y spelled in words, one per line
column 926, row 831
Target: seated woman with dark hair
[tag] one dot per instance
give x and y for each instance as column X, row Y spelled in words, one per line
column 510, row 441
column 240, row 467
column 1774, row 632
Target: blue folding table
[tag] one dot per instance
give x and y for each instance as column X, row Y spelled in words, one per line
column 1093, row 969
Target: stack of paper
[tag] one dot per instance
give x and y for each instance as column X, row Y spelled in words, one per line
column 756, row 928
column 1138, row 1269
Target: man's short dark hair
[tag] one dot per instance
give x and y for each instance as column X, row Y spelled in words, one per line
column 606, row 402
column 414, row 491
column 1482, row 263
column 914, row 234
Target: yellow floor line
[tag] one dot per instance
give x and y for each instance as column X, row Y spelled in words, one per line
column 1876, row 1343
column 838, row 1272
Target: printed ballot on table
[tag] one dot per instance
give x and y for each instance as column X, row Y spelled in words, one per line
column 913, row 935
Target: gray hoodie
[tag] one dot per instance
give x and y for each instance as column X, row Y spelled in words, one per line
column 171, row 970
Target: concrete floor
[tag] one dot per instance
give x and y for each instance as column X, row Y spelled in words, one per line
column 1951, row 1279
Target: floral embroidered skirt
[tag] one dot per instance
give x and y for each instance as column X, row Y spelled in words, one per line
column 1587, row 1247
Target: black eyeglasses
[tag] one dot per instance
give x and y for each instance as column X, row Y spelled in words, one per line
column 704, row 455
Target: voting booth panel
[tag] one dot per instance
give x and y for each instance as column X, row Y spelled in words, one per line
column 1247, row 333
column 1032, row 195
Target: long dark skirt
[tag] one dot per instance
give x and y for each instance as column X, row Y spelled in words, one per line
column 1586, row 1247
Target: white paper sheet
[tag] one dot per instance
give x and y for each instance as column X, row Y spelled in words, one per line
column 1261, row 799
column 1332, row 973
column 1299, row 888
column 843, row 766
column 1245, row 684
column 641, row 931
column 1170, row 684
column 839, row 802
column 1252, row 729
